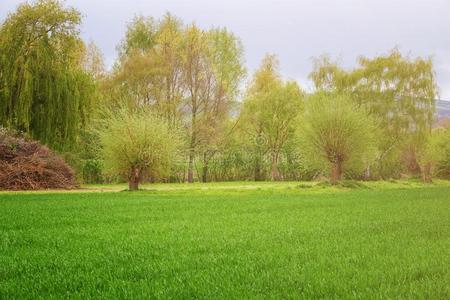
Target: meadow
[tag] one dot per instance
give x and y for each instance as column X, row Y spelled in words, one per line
column 228, row 241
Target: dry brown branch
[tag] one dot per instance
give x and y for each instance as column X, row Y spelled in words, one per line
column 28, row 165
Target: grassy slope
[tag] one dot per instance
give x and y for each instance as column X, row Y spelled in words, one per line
column 228, row 241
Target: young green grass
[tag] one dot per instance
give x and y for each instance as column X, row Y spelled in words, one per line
column 241, row 240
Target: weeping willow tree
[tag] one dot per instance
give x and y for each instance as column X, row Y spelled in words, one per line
column 44, row 91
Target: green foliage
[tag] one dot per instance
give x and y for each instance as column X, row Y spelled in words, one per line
column 435, row 156
column 227, row 241
column 188, row 76
column 52, row 87
column 43, row 89
column 141, row 35
column 443, row 163
column 268, row 112
column 398, row 91
column 138, row 146
column 93, row 171
column 337, row 135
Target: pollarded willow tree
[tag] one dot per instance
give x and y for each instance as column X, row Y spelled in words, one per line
column 268, row 114
column 43, row 88
column 337, row 135
column 138, row 145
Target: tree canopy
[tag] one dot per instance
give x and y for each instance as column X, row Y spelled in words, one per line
column 337, row 135
column 138, row 145
column 269, row 109
column 397, row 90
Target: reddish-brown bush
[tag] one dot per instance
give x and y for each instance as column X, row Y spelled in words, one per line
column 28, row 165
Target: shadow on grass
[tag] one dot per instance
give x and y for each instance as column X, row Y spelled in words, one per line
column 346, row 184
column 139, row 190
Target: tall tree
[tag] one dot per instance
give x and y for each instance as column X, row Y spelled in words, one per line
column 169, row 55
column 397, row 90
column 269, row 110
column 197, row 75
column 149, row 68
column 225, row 55
column 43, row 89
column 187, row 75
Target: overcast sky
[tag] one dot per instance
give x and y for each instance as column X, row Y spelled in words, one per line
column 294, row 30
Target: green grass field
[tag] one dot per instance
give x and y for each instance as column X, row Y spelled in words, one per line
column 228, row 241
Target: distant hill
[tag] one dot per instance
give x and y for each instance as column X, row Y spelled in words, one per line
column 442, row 109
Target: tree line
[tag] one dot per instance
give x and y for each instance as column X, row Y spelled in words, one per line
column 177, row 106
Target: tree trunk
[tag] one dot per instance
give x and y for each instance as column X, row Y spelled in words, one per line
column 192, row 145
column 258, row 169
column 275, row 172
column 336, row 173
column 426, row 173
column 191, row 166
column 134, row 178
column 367, row 173
column 205, row 168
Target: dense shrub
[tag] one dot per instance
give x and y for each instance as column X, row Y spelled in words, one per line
column 93, row 171
column 435, row 157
